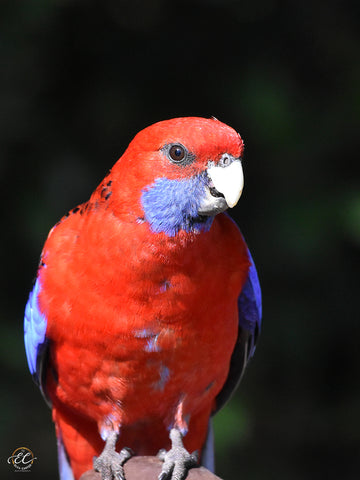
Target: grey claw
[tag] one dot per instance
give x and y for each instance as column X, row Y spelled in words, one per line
column 161, row 454
column 126, row 453
column 163, row 476
column 194, row 457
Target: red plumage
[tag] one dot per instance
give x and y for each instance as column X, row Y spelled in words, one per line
column 141, row 325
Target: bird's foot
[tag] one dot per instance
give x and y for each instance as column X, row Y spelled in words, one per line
column 110, row 463
column 177, row 461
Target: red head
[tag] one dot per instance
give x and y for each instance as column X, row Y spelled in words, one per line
column 202, row 157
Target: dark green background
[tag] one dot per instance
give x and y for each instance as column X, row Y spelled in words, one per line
column 79, row 78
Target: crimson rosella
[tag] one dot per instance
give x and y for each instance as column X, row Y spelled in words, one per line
column 147, row 306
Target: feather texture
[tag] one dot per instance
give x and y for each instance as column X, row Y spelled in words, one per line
column 142, row 311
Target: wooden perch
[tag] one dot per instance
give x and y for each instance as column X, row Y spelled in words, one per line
column 149, row 468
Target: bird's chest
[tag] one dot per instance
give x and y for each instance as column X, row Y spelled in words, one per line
column 175, row 330
column 154, row 327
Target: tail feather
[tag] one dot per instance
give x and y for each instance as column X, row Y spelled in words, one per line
column 208, row 451
column 65, row 471
column 78, row 443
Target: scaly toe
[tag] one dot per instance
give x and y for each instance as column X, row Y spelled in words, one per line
column 110, row 464
column 177, row 463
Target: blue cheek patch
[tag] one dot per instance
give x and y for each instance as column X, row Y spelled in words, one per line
column 172, row 205
column 34, row 328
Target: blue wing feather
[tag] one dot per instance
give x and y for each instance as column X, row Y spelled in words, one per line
column 34, row 331
column 36, row 346
column 250, row 312
column 250, row 307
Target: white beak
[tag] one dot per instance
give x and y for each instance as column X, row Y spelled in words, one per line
column 228, row 180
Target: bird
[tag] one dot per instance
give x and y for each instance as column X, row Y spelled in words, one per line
column 146, row 306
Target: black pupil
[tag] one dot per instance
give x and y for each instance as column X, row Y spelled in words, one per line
column 177, row 152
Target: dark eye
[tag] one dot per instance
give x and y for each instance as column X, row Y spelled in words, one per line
column 177, row 153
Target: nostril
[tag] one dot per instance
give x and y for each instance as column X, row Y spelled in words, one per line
column 215, row 193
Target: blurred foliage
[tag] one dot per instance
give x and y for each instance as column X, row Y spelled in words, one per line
column 79, row 79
